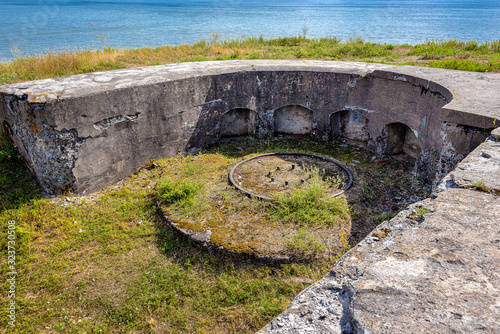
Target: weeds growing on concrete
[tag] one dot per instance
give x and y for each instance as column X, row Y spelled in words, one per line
column 382, row 218
column 481, row 186
column 305, row 247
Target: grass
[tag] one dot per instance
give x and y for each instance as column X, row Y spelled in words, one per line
column 383, row 217
column 451, row 54
column 107, row 263
column 481, row 186
column 243, row 224
column 310, row 205
column 183, row 194
column 306, row 246
column 175, row 191
column 16, row 184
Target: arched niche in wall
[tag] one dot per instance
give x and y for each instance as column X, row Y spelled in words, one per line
column 349, row 124
column 293, row 120
column 401, row 139
column 237, row 122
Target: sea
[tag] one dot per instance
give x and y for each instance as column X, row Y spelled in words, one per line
column 31, row 27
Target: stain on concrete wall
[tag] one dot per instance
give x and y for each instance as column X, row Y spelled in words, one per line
column 465, row 139
column 7, row 130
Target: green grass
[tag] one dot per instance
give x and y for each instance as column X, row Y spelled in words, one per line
column 383, row 217
column 183, row 194
column 451, row 54
column 107, row 263
column 172, row 191
column 309, row 205
column 481, row 186
column 305, row 246
column 16, row 184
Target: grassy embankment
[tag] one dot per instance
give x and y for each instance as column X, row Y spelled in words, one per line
column 106, row 263
column 451, row 54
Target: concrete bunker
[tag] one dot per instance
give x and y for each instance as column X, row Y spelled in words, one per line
column 293, row 120
column 402, row 99
column 156, row 112
column 402, row 140
column 237, row 122
column 351, row 125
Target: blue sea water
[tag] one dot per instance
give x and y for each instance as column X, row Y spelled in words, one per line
column 35, row 26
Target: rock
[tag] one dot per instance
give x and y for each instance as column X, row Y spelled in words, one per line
column 480, row 169
column 436, row 271
column 194, row 151
column 495, row 134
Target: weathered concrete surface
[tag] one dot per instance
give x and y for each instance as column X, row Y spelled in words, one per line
column 439, row 273
column 293, row 120
column 434, row 268
column 237, row 122
column 495, row 134
column 473, row 93
column 87, row 131
column 480, row 169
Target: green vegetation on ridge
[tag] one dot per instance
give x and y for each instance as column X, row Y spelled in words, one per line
column 451, row 54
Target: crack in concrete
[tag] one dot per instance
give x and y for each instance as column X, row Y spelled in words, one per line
column 348, row 323
column 108, row 122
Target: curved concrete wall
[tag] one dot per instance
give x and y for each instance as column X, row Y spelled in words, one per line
column 87, row 131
